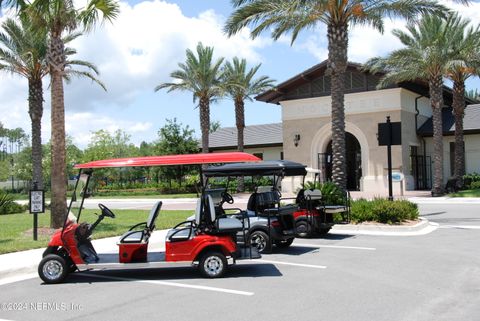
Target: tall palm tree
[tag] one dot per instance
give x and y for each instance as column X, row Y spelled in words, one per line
column 58, row 17
column 429, row 47
column 240, row 86
column 200, row 75
column 465, row 63
column 296, row 15
column 24, row 53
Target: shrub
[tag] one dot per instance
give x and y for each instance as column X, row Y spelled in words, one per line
column 469, row 179
column 331, row 193
column 362, row 211
column 8, row 205
column 475, row 185
column 383, row 211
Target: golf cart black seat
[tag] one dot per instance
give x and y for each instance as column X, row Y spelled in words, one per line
column 137, row 235
column 265, row 202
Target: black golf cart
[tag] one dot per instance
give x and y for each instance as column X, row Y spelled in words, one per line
column 271, row 222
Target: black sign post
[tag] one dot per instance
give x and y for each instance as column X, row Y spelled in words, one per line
column 389, row 134
column 37, row 205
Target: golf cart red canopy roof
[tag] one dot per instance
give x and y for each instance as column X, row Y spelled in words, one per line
column 169, row 160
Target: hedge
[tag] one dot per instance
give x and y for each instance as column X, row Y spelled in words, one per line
column 383, row 211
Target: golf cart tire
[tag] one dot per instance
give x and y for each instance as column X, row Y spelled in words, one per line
column 213, row 264
column 303, row 229
column 261, row 235
column 284, row 244
column 53, row 269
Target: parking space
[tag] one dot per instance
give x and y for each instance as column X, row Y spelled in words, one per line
column 340, row 277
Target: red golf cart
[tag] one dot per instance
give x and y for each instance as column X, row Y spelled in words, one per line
column 207, row 242
column 315, row 216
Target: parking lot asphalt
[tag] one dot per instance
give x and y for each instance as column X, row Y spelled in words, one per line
column 341, row 277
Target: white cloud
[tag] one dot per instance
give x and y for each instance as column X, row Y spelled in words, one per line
column 134, row 54
column 365, row 42
column 80, row 126
column 144, row 44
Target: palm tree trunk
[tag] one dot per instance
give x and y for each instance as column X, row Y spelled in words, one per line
column 205, row 122
column 240, row 122
column 436, row 101
column 337, row 65
column 58, row 171
column 458, row 110
column 35, row 110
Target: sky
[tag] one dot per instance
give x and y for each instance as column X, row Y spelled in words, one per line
column 140, row 49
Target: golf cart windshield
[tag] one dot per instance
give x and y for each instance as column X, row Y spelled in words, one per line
column 80, row 192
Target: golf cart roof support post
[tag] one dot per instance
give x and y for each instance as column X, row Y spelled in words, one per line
column 89, row 173
column 74, row 197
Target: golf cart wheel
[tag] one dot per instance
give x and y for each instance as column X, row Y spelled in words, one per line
column 284, row 243
column 261, row 241
column 52, row 269
column 303, row 229
column 213, row 264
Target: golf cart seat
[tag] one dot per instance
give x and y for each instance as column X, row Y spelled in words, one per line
column 136, row 235
column 264, row 201
column 179, row 233
column 222, row 224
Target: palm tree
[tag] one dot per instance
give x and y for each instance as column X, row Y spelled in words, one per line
column 465, row 63
column 201, row 76
column 24, row 53
column 296, row 15
column 58, row 17
column 240, row 86
column 429, row 47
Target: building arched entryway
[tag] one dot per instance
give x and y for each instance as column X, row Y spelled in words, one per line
column 353, row 160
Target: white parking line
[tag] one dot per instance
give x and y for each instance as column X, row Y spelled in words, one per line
column 336, row 246
column 289, row 263
column 175, row 284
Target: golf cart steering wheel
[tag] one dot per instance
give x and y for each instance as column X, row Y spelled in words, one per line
column 106, row 211
column 227, row 198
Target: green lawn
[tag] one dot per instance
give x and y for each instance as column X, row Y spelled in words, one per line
column 153, row 196
column 16, row 229
column 121, row 195
column 467, row 193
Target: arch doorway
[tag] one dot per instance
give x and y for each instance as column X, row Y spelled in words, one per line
column 354, row 162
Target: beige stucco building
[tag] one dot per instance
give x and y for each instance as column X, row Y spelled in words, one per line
column 306, row 128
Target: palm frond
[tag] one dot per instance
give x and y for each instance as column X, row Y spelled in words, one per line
column 84, row 74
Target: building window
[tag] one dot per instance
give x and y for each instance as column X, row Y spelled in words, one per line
column 259, row 155
column 281, row 155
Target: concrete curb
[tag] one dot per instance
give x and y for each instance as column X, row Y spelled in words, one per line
column 421, row 228
column 445, row 200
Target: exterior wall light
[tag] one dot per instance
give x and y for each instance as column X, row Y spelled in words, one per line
column 296, row 139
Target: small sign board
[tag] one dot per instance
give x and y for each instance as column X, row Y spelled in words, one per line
column 383, row 135
column 397, row 177
column 37, row 201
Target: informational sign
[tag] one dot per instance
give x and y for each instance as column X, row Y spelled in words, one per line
column 397, row 176
column 37, row 201
column 384, row 138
